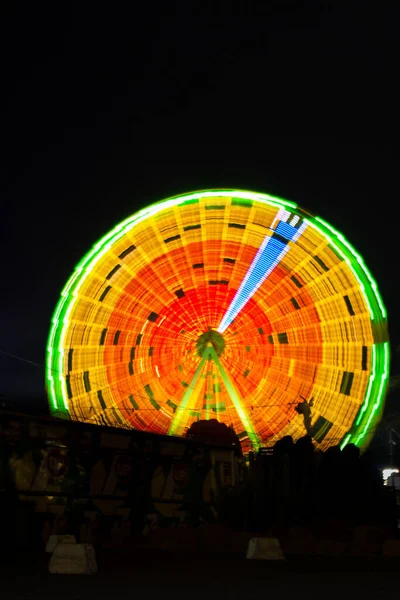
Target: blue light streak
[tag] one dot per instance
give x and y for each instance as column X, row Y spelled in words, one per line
column 269, row 254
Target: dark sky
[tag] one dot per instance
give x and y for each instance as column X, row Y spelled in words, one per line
column 104, row 113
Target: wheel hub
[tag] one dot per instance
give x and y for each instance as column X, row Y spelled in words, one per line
column 210, row 337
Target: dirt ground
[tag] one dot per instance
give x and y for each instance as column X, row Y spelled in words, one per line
column 170, row 575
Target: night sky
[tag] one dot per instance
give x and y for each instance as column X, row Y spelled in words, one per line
column 105, row 113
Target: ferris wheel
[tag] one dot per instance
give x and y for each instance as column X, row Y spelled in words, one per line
column 227, row 305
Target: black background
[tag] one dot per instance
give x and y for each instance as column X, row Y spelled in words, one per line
column 105, row 112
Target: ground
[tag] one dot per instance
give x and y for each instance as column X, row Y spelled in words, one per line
column 165, row 575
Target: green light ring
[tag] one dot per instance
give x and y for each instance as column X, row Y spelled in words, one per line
column 376, row 389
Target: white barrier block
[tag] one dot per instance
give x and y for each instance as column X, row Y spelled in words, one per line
column 59, row 539
column 73, row 559
column 264, row 549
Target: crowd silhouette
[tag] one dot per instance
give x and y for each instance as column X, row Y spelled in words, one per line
column 297, row 486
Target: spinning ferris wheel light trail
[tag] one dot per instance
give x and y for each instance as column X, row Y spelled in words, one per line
column 222, row 304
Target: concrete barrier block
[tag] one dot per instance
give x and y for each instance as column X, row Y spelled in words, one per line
column 59, row 539
column 264, row 549
column 73, row 559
